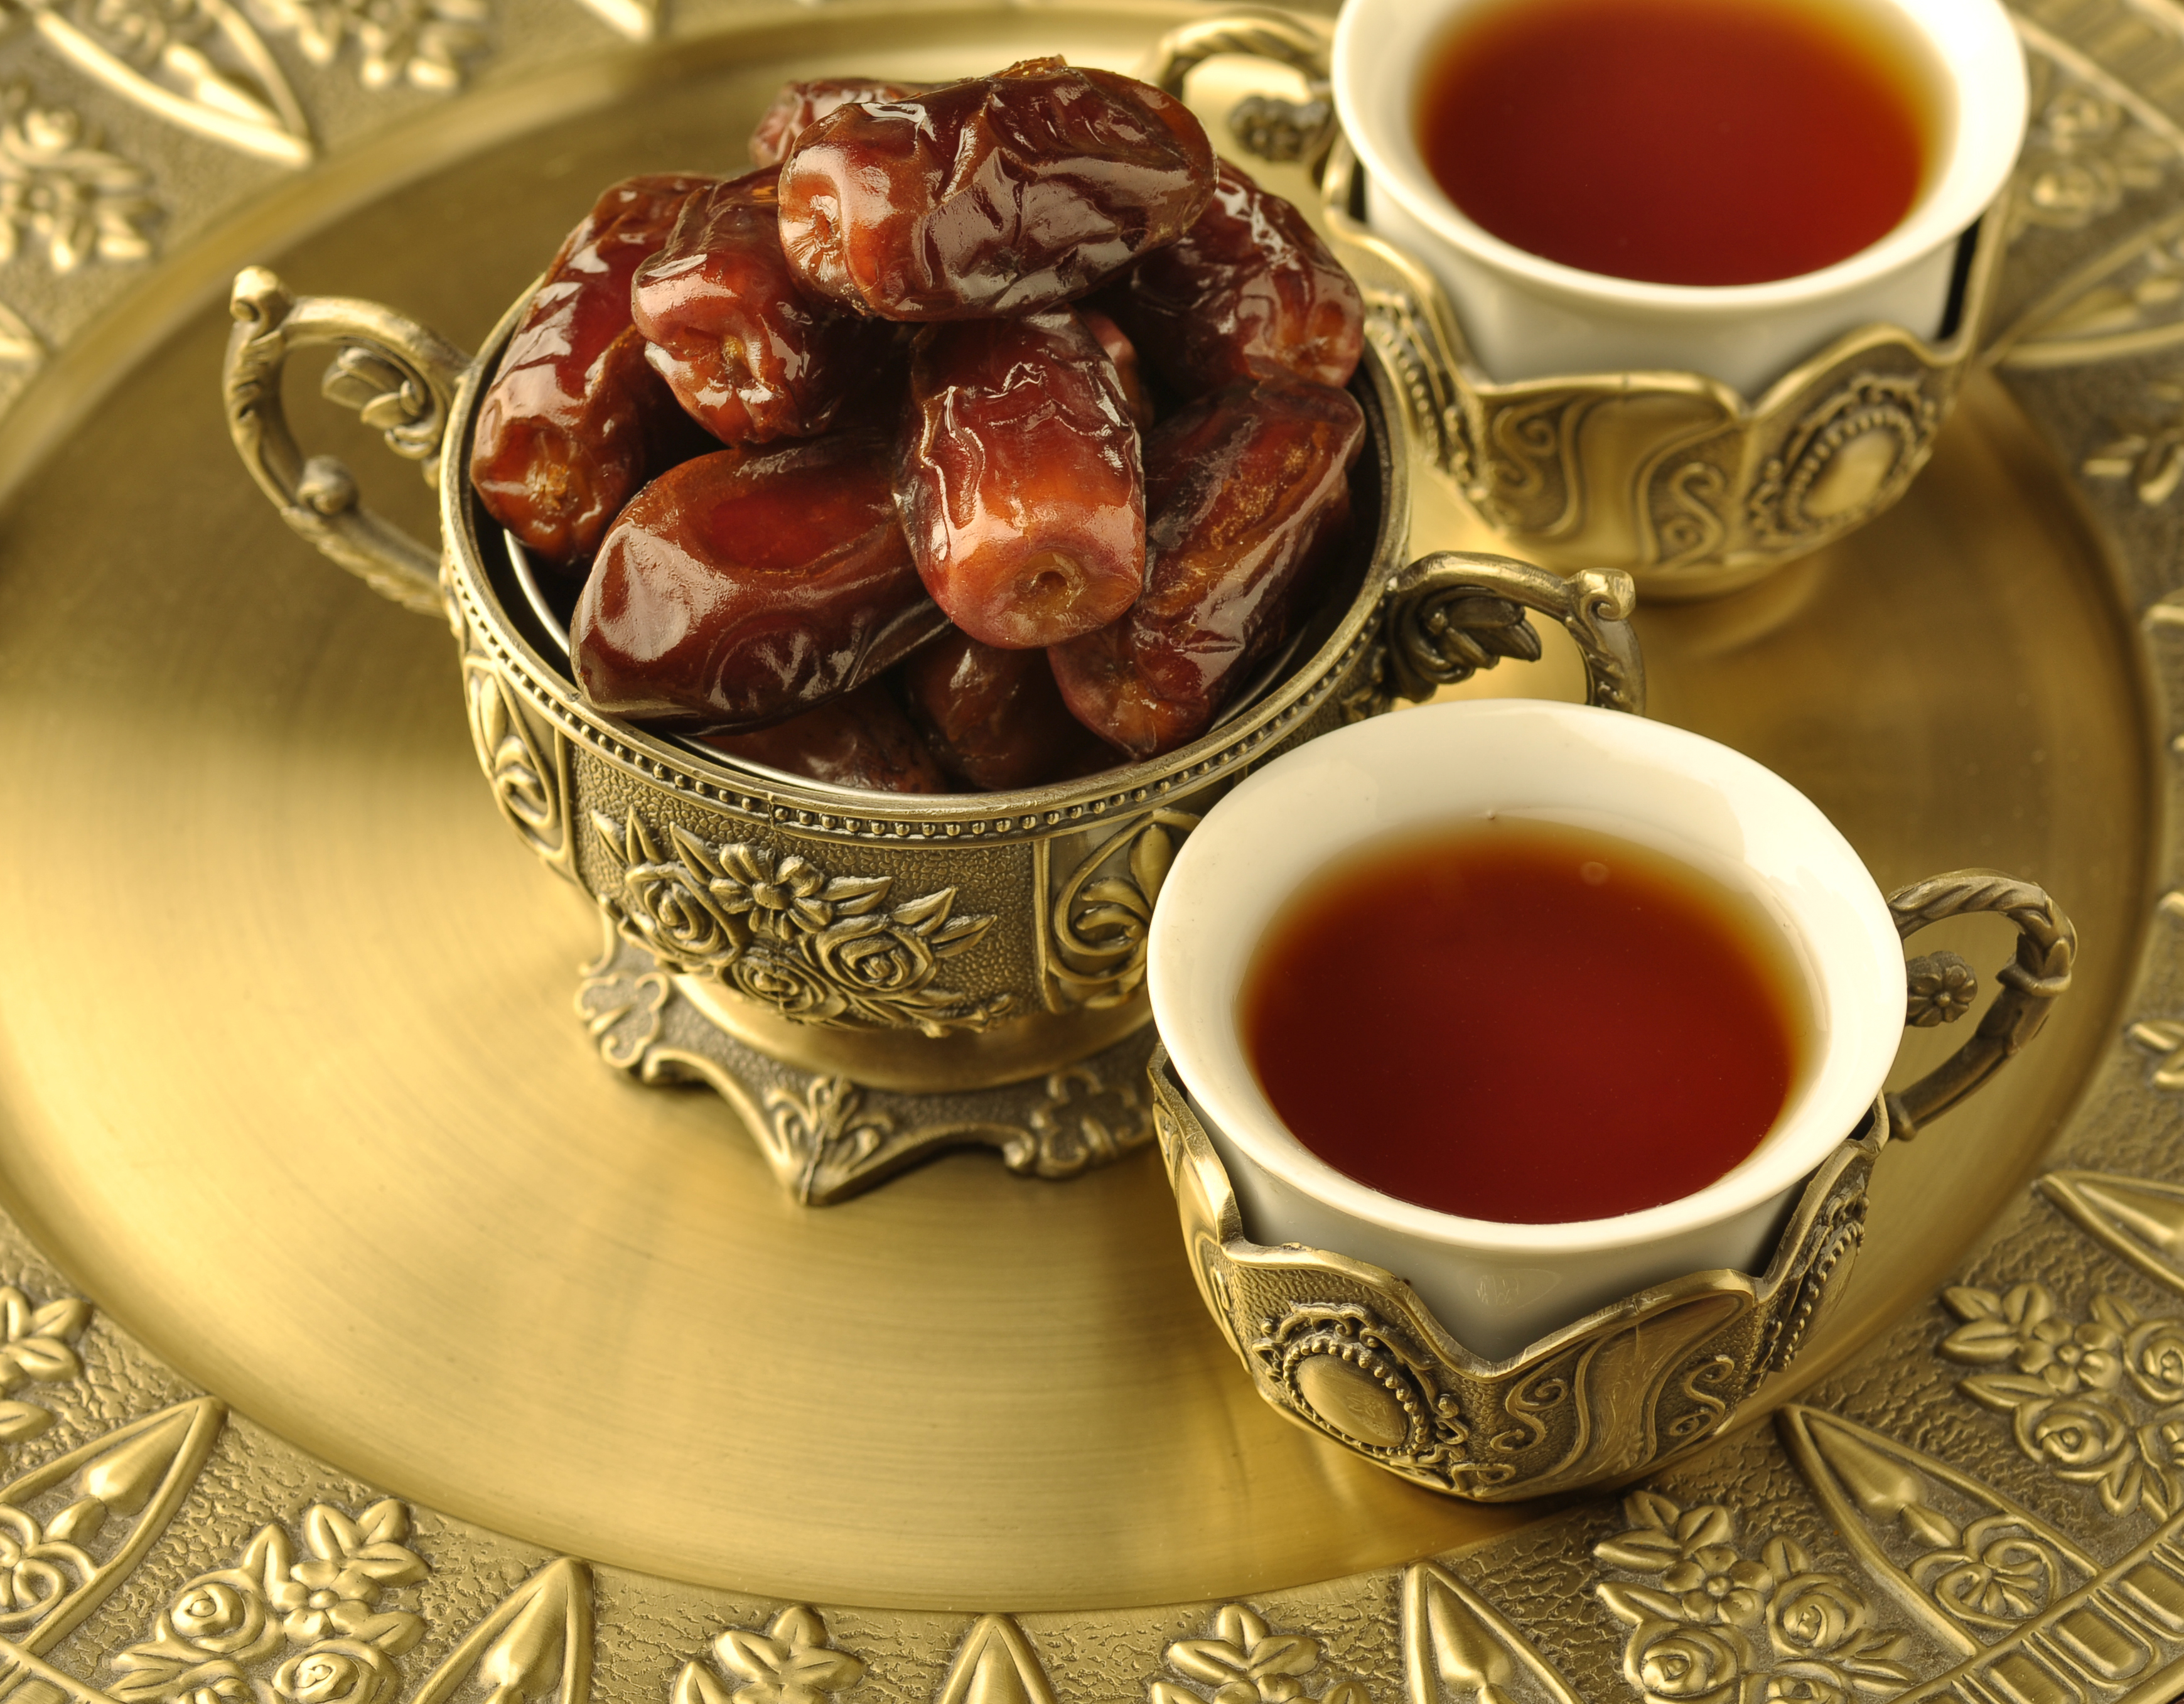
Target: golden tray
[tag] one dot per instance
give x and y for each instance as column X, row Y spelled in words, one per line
column 365, row 1339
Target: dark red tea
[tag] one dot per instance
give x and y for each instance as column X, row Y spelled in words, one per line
column 1677, row 141
column 1517, row 1021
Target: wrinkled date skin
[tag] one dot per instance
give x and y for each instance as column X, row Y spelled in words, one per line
column 996, row 718
column 1250, row 292
column 1123, row 354
column 1248, row 490
column 799, row 106
column 575, row 421
column 861, row 739
column 1019, row 480
column 749, row 585
column 1001, row 195
column 750, row 353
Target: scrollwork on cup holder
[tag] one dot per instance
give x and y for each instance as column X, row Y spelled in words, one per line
column 401, row 378
column 1352, row 1351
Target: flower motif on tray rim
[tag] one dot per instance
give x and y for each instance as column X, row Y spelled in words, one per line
column 2097, row 1402
column 1722, row 1626
column 1245, row 1661
column 326, row 1610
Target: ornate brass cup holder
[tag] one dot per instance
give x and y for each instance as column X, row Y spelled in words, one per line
column 867, row 978
column 1693, row 488
column 1349, row 1349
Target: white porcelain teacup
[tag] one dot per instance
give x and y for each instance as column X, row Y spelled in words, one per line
column 1526, row 317
column 1498, row 1286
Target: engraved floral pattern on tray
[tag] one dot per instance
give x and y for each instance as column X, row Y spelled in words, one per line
column 2097, row 1400
column 1717, row 1621
column 320, row 1614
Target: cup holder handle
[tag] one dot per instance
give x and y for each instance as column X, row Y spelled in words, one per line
column 399, row 376
column 1454, row 613
column 1271, row 128
column 1943, row 985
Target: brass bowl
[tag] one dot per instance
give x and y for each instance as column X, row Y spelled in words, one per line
column 867, row 977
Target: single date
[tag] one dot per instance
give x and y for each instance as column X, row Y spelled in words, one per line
column 1019, row 479
column 1247, row 490
column 861, row 739
column 799, row 106
column 749, row 585
column 996, row 718
column 1129, row 374
column 1001, row 195
column 750, row 354
column 575, row 421
column 1249, row 292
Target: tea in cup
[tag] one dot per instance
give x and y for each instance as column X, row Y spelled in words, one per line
column 1532, row 1007
column 1467, row 953
column 1714, row 187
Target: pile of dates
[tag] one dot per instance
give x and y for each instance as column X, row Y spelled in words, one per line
column 986, row 435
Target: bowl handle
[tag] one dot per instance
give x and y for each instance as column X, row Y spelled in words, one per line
column 1454, row 613
column 398, row 375
column 1943, row 985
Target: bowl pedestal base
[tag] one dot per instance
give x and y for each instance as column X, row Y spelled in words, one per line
column 827, row 1136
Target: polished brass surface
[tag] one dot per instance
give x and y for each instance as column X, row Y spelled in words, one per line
column 291, row 1094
